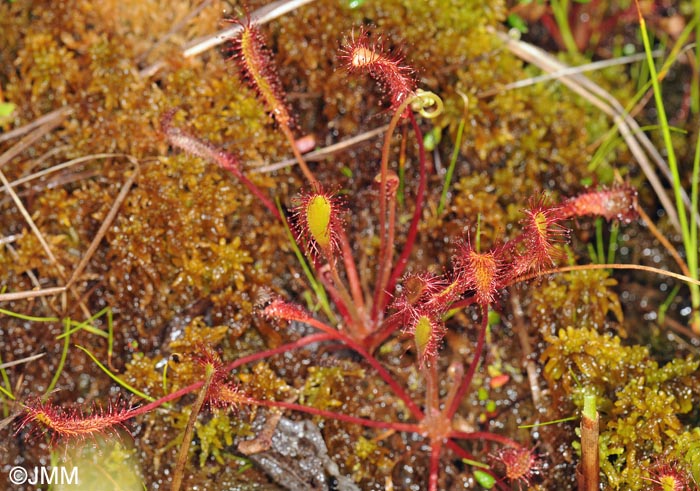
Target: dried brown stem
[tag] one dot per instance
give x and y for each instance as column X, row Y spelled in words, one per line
column 589, row 471
column 664, row 241
column 181, row 463
column 524, row 339
column 324, row 152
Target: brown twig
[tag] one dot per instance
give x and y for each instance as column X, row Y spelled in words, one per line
column 181, row 463
column 589, row 468
column 530, row 367
column 664, row 241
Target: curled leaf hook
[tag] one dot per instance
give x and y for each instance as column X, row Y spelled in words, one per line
column 427, row 104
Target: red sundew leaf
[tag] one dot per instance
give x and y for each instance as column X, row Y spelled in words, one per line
column 427, row 331
column 520, row 463
column 361, row 53
column 279, row 309
column 319, row 223
column 542, row 231
column 618, row 203
column 255, row 61
column 73, row 423
column 479, row 271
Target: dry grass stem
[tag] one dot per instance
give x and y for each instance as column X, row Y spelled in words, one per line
column 49, row 120
column 324, row 152
column 636, row 139
column 200, row 45
column 69, row 282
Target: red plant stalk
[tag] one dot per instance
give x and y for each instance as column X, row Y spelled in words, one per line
column 478, row 351
column 435, row 449
column 310, row 177
column 402, row 261
column 299, row 343
column 351, row 272
column 387, row 249
column 388, row 326
column 433, row 419
column 484, row 435
column 208, row 151
column 432, row 390
column 341, row 304
column 380, row 286
column 356, row 324
column 289, row 312
column 369, row 423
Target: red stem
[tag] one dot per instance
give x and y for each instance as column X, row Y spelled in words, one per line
column 385, row 259
column 313, row 338
column 370, row 423
column 432, row 389
column 286, row 130
column 464, row 303
column 387, row 328
column 467, row 380
column 386, row 376
column 459, row 451
column 338, row 300
column 417, row 212
column 383, row 173
column 484, row 435
column 258, row 194
column 170, row 397
column 435, row 448
column 355, row 324
column 351, row 271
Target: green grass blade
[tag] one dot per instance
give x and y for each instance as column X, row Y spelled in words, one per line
column 665, row 131
column 7, row 394
column 121, row 382
column 6, row 382
column 693, row 242
column 453, row 159
column 644, row 84
column 663, row 308
column 673, row 164
column 62, row 361
column 30, row 318
column 695, row 84
column 612, row 244
column 110, row 335
column 87, row 326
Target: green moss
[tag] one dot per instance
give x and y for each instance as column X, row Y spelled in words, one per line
column 322, row 388
column 264, row 384
column 583, row 298
column 48, row 68
column 642, row 404
column 216, row 435
column 370, row 451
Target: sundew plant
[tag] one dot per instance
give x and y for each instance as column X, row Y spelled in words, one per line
column 344, row 250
